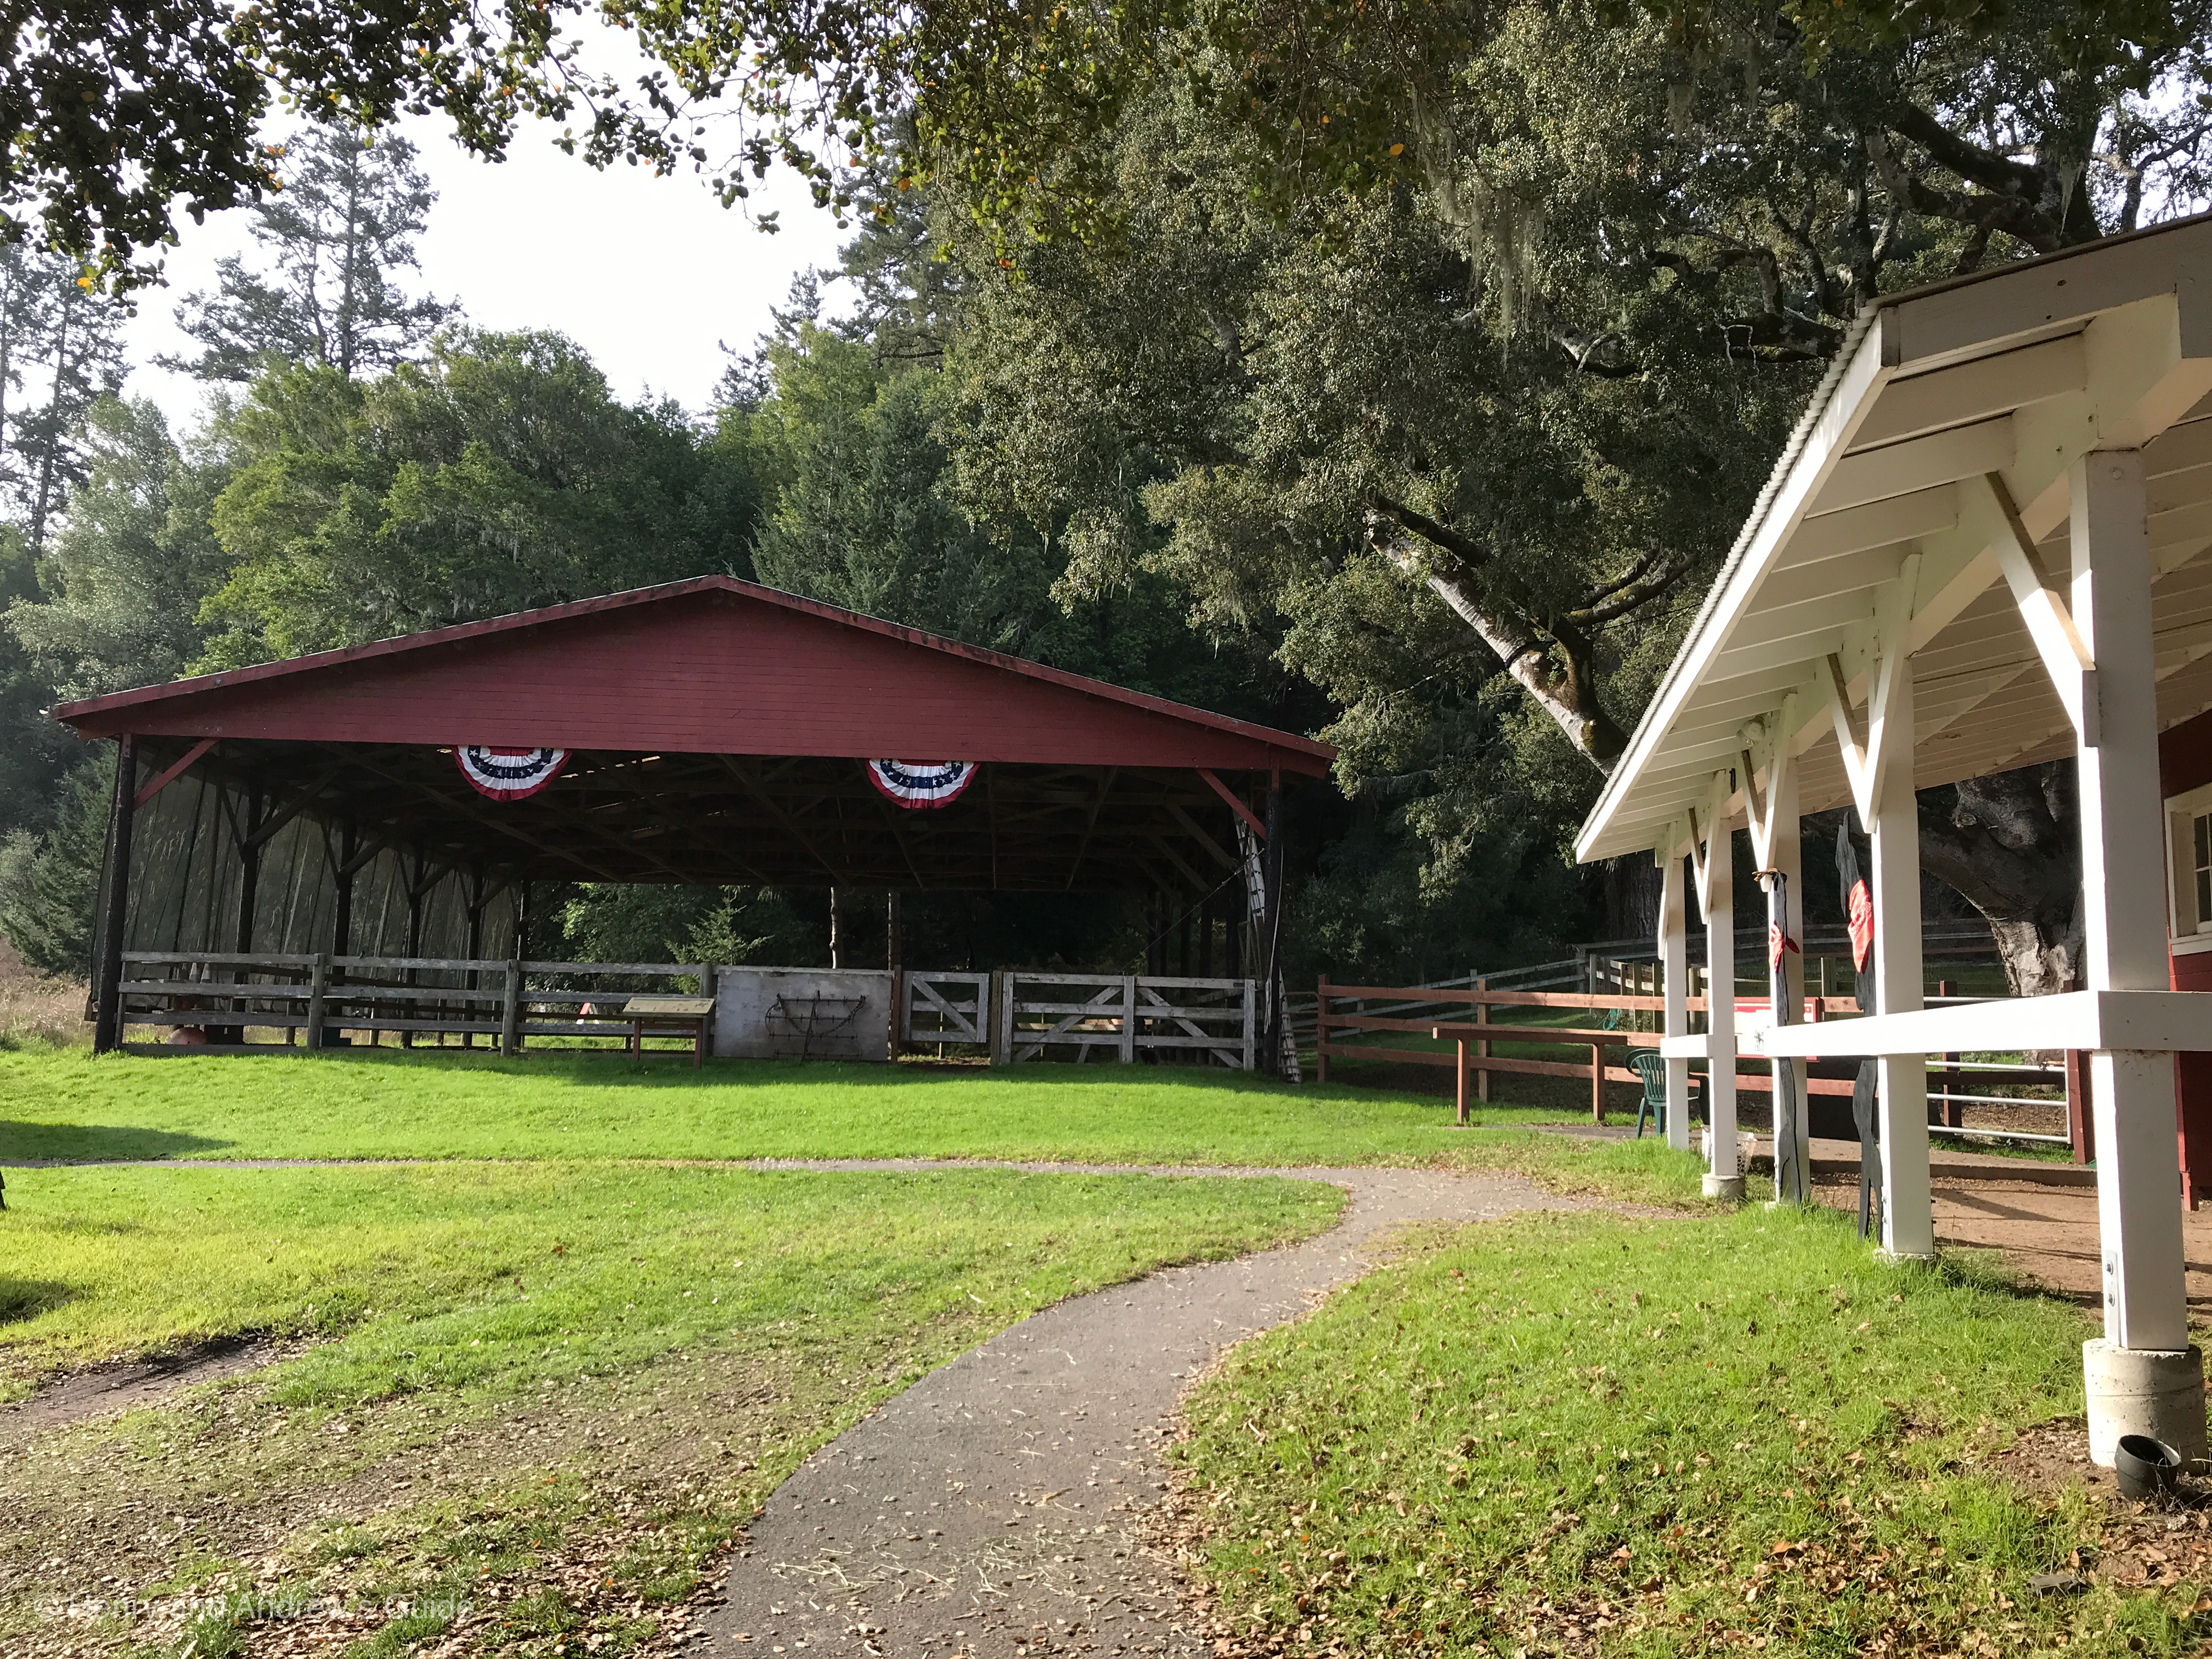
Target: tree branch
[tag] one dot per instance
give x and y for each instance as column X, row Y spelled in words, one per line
column 1552, row 663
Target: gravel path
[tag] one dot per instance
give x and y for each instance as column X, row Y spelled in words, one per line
column 996, row 1508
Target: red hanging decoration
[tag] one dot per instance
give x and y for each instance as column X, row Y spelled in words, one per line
column 1859, row 919
column 508, row 774
column 919, row 784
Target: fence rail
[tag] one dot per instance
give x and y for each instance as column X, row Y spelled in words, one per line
column 1466, row 1015
column 1210, row 1020
column 220, row 996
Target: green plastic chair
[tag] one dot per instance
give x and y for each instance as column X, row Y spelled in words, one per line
column 1651, row 1066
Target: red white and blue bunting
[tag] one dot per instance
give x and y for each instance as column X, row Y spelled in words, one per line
column 509, row 774
column 918, row 784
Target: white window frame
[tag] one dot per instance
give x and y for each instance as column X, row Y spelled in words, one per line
column 2188, row 932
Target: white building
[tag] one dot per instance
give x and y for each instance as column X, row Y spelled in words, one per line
column 1986, row 545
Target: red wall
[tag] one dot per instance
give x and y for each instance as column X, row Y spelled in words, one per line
column 711, row 672
column 2184, row 761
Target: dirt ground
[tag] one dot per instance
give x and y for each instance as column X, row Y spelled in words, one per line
column 2049, row 1231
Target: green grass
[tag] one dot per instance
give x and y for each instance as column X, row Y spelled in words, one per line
column 541, row 1397
column 487, row 1277
column 1594, row 1434
column 390, row 1105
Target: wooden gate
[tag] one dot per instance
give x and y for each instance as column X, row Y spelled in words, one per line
column 945, row 1008
column 1209, row 1020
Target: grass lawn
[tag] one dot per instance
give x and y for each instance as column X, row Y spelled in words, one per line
column 553, row 1388
column 68, row 1104
column 1594, row 1434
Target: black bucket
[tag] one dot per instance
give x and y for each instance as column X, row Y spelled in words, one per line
column 2145, row 1468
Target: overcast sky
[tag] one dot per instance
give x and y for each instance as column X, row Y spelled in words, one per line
column 646, row 274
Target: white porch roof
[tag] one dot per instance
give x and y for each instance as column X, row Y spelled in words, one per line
column 2015, row 373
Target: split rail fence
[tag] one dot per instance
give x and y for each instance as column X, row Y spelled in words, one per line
column 1466, row 1014
column 315, row 999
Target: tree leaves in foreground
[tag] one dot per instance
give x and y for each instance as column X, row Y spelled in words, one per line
column 115, row 115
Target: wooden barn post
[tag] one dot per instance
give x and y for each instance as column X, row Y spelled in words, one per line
column 1271, row 928
column 107, row 1019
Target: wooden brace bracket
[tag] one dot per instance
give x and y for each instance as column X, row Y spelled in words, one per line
column 2043, row 608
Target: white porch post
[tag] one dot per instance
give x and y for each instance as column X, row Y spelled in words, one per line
column 1723, row 1174
column 1908, row 1220
column 2144, row 1377
column 1675, row 986
column 1786, row 852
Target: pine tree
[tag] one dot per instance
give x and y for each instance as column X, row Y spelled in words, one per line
column 61, row 350
column 337, row 236
column 50, row 884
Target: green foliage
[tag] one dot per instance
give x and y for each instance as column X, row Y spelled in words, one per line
column 61, row 350
column 609, row 921
column 123, row 582
column 497, row 475
column 33, row 751
column 1009, row 101
column 49, row 882
column 1745, row 1433
column 338, row 237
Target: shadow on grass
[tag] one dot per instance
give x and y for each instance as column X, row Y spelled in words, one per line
column 35, row 1144
column 27, row 1298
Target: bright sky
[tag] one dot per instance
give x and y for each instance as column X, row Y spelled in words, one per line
column 646, row 274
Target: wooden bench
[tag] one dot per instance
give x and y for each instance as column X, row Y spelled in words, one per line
column 669, row 1015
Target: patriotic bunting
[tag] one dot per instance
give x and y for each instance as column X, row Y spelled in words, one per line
column 508, row 774
column 919, row 784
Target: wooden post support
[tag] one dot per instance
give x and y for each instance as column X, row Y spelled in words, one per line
column 1674, row 987
column 1908, row 1218
column 898, row 1010
column 1597, row 1083
column 1785, row 851
column 703, row 1043
column 1723, row 1168
column 1321, row 1044
column 1459, row 1077
column 107, row 1022
column 2125, row 910
column 1251, row 1036
column 995, row 1028
column 2080, row 1116
column 1482, row 1044
column 510, row 1010
column 1129, row 1020
column 319, row 986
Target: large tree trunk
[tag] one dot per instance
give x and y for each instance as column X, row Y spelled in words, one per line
column 2011, row 844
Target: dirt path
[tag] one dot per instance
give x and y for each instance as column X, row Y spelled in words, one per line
column 996, row 1508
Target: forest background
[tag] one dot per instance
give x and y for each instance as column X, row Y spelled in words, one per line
column 1404, row 384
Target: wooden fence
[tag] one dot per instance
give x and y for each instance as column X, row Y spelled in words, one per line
column 1630, row 1021
column 318, row 998
column 947, row 1008
column 1211, row 1021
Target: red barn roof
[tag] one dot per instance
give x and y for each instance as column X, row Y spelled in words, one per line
column 711, row 666
column 715, row 731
